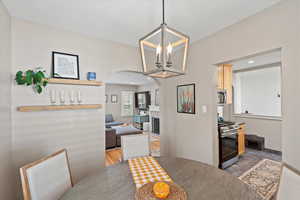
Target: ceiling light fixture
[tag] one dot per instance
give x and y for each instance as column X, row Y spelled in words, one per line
column 164, row 51
column 251, row 61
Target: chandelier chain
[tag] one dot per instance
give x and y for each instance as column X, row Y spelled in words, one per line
column 163, row 11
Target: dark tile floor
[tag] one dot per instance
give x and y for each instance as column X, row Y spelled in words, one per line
column 249, row 159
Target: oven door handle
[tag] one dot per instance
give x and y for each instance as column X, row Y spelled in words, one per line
column 231, row 130
column 228, row 134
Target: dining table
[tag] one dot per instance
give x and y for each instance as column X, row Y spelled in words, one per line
column 200, row 181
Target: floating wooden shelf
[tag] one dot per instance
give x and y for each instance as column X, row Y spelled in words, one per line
column 58, row 107
column 74, row 82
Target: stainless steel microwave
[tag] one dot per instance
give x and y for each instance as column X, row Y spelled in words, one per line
column 222, row 97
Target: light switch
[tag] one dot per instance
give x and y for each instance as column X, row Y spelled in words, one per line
column 204, row 109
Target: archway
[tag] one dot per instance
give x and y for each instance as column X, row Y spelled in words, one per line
column 132, row 108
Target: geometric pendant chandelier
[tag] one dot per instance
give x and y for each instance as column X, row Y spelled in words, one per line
column 164, row 51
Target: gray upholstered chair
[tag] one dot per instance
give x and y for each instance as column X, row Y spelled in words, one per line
column 48, row 178
column 134, row 146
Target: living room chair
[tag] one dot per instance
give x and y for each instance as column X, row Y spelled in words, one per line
column 289, row 186
column 48, row 178
column 110, row 122
column 135, row 146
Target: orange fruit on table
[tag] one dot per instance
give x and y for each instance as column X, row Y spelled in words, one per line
column 161, row 190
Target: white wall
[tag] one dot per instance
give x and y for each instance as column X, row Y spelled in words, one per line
column 6, row 173
column 115, row 108
column 37, row 134
column 258, row 90
column 195, row 136
column 258, row 94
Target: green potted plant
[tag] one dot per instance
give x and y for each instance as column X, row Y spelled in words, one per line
column 36, row 78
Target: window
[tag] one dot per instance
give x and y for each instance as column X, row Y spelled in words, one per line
column 142, row 100
column 258, row 91
column 127, row 103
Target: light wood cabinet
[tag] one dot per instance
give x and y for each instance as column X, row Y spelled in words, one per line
column 220, row 77
column 241, row 139
column 225, row 80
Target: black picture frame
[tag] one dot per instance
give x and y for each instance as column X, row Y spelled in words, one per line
column 147, row 102
column 56, row 75
column 114, row 98
column 193, row 85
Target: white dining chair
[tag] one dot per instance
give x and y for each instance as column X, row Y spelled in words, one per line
column 48, row 178
column 289, row 186
column 134, row 146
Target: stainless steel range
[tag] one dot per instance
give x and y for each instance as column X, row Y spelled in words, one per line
column 228, row 144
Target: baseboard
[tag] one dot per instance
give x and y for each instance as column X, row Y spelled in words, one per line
column 273, row 151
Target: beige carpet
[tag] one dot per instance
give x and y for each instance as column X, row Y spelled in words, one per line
column 263, row 178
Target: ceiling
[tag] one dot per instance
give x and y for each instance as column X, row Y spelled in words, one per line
column 130, row 78
column 126, row 21
column 257, row 60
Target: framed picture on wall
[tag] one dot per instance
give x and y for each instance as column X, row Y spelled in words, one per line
column 65, row 66
column 186, row 98
column 114, row 98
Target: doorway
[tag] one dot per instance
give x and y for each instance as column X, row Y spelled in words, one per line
column 132, row 108
column 249, row 111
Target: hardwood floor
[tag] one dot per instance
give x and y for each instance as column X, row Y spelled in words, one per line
column 113, row 156
column 155, row 145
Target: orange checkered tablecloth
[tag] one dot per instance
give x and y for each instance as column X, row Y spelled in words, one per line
column 147, row 169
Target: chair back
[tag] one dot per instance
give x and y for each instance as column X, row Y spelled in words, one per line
column 289, row 187
column 135, row 146
column 48, row 178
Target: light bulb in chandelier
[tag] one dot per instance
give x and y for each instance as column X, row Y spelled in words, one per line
column 158, row 49
column 158, row 55
column 169, row 53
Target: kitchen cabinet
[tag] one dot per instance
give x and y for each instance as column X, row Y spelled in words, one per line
column 220, row 77
column 241, row 139
column 225, row 80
